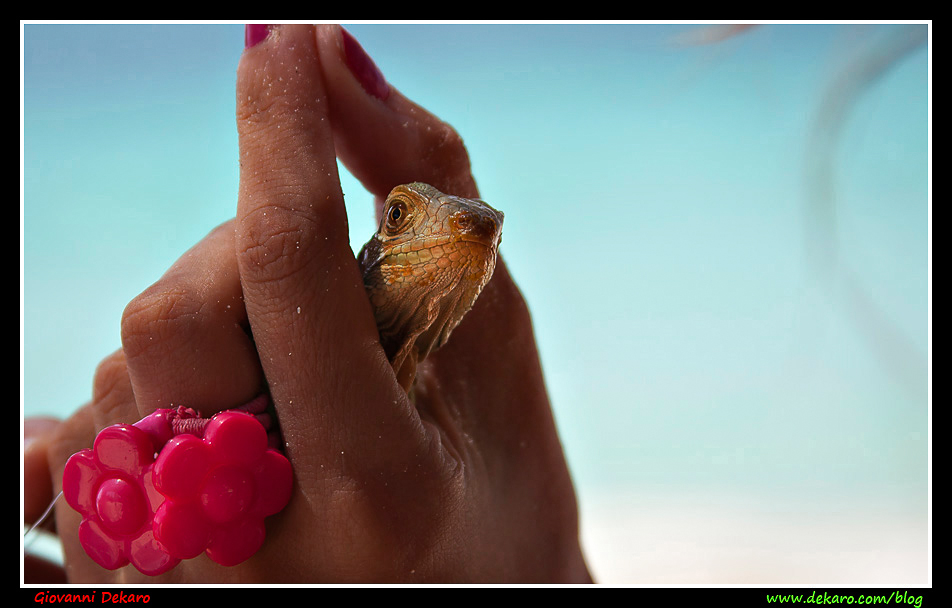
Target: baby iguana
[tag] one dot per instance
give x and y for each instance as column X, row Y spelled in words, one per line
column 424, row 269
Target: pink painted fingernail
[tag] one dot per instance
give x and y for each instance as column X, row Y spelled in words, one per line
column 255, row 33
column 363, row 67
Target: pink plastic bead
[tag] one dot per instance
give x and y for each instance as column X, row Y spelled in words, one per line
column 206, row 494
column 219, row 489
column 111, row 487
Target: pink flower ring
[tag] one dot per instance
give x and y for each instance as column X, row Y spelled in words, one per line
column 219, row 489
column 111, row 487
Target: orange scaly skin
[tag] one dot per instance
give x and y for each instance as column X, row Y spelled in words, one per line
column 424, row 269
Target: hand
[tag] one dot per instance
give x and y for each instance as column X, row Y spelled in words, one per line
column 467, row 484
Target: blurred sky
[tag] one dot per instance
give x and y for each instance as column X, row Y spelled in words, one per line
column 700, row 341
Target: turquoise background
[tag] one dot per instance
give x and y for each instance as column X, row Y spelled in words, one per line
column 704, row 330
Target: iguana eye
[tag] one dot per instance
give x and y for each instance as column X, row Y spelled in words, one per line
column 396, row 215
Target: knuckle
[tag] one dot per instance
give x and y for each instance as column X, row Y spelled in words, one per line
column 76, row 433
column 449, row 139
column 110, row 376
column 281, row 244
column 161, row 316
column 270, row 249
column 113, row 399
column 444, row 147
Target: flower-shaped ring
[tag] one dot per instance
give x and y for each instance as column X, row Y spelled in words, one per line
column 219, row 489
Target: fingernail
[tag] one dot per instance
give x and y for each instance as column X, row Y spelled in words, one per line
column 255, row 33
column 364, row 68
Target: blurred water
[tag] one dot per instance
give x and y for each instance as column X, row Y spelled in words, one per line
column 657, row 221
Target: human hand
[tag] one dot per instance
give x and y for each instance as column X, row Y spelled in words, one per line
column 468, row 483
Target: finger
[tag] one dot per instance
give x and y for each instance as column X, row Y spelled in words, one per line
column 333, row 388
column 382, row 137
column 74, row 434
column 113, row 399
column 37, row 483
column 385, row 139
column 185, row 338
column 487, row 379
column 51, row 443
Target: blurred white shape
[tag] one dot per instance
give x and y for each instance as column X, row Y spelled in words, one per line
column 696, row 539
